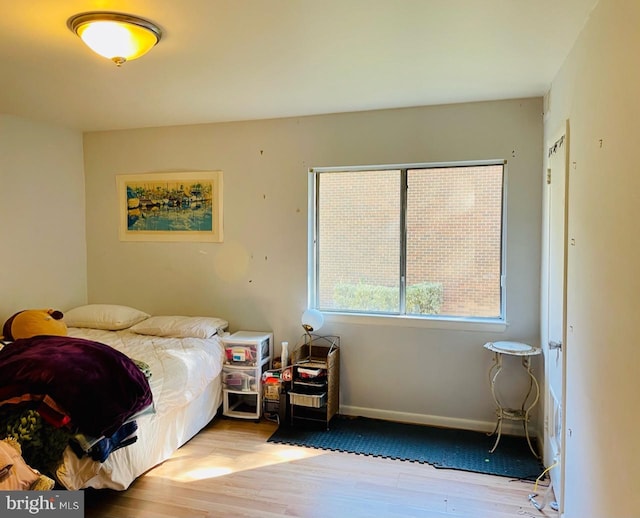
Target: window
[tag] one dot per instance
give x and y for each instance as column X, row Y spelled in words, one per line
column 417, row 240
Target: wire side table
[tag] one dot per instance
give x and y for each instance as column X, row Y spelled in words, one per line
column 526, row 352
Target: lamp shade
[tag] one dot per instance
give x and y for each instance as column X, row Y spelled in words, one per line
column 312, row 320
column 118, row 37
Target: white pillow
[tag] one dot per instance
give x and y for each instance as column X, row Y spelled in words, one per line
column 110, row 317
column 181, row 327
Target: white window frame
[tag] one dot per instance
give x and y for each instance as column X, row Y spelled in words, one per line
column 497, row 324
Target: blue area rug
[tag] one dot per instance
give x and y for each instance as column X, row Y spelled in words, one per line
column 440, row 447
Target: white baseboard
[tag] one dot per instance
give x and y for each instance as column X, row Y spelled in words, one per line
column 508, row 427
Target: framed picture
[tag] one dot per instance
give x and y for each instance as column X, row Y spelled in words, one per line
column 184, row 206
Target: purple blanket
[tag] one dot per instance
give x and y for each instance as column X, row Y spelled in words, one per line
column 89, row 385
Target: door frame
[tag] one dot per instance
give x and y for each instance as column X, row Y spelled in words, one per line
column 554, row 416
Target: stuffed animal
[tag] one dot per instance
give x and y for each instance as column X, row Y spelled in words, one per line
column 16, row 474
column 34, row 322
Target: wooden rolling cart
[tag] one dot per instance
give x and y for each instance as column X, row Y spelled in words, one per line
column 315, row 383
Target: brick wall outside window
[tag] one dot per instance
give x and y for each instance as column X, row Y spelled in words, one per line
column 454, row 218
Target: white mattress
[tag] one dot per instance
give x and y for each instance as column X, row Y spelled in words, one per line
column 187, row 391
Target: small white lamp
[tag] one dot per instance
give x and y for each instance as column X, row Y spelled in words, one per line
column 312, row 320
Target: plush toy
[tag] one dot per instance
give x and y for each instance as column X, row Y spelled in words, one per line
column 34, row 322
column 16, row 474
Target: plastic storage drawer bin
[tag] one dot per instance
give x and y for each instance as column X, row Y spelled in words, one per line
column 239, row 380
column 309, row 400
column 244, row 354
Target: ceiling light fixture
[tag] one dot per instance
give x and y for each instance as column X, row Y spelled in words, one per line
column 116, row 36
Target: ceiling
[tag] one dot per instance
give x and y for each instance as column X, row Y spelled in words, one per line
column 229, row 60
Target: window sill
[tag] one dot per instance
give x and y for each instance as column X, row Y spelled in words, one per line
column 453, row 324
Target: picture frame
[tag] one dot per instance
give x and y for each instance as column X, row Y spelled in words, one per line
column 176, row 206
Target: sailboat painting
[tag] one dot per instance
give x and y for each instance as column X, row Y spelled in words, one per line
column 184, row 206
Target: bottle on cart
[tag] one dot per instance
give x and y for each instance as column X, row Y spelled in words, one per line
column 284, row 354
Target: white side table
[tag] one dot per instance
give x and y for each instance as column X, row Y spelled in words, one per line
column 530, row 400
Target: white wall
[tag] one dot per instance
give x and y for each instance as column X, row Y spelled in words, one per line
column 598, row 90
column 256, row 279
column 43, row 217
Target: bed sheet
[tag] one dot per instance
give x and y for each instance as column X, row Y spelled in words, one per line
column 180, row 367
column 187, row 391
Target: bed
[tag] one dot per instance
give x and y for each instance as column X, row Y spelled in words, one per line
column 182, row 359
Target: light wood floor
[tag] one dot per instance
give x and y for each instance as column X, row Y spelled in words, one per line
column 229, row 470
